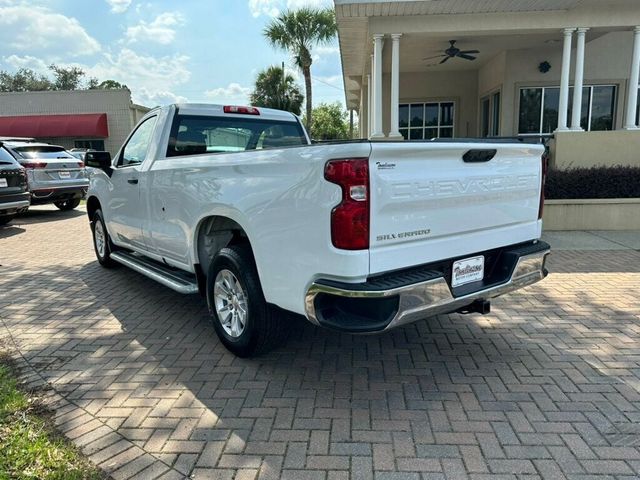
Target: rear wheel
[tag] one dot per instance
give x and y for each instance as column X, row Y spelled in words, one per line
column 66, row 205
column 245, row 323
column 101, row 241
column 6, row 219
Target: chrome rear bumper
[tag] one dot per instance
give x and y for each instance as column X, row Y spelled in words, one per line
column 432, row 297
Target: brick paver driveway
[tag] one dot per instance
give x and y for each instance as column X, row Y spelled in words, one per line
column 546, row 386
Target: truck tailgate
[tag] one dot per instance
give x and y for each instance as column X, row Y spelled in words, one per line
column 428, row 204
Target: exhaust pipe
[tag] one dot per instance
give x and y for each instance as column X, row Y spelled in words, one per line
column 482, row 307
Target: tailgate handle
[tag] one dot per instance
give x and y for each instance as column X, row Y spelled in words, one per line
column 479, row 156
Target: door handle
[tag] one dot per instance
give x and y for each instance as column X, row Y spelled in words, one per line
column 133, row 181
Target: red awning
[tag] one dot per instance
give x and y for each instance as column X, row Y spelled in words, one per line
column 47, row 126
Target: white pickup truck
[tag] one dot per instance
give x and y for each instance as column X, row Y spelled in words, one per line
column 238, row 204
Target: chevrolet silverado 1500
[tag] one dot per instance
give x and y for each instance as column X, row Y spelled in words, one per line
column 238, row 204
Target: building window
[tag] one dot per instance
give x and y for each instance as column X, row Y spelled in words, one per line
column 490, row 111
column 90, row 144
column 539, row 109
column 422, row 121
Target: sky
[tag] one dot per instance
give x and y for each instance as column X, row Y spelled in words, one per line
column 164, row 51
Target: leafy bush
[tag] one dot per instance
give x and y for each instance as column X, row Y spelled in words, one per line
column 594, row 182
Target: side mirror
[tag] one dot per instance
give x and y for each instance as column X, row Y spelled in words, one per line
column 101, row 160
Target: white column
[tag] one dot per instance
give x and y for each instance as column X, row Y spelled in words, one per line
column 394, row 132
column 634, row 79
column 372, row 81
column 576, row 113
column 378, row 43
column 564, row 80
column 368, row 132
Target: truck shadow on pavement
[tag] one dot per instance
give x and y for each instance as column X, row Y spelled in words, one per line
column 548, row 360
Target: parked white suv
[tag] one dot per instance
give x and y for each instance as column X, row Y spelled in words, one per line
column 357, row 236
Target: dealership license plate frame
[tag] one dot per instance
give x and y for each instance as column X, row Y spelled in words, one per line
column 471, row 277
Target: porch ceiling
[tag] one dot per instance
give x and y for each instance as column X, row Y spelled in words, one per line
column 414, row 48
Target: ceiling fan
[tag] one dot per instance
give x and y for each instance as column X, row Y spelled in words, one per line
column 453, row 52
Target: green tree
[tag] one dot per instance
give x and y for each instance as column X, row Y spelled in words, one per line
column 111, row 85
column 297, row 31
column 330, row 122
column 67, row 78
column 24, row 80
column 274, row 91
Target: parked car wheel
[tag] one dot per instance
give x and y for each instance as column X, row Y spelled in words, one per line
column 4, row 219
column 101, row 241
column 244, row 322
column 66, row 205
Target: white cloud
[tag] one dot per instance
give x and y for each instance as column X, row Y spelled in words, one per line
column 272, row 8
column 264, row 7
column 161, row 30
column 294, row 4
column 151, row 79
column 28, row 28
column 36, row 64
column 327, row 50
column 153, row 98
column 234, row 92
column 119, row 6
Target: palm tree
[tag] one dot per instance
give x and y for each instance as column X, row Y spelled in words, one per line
column 298, row 31
column 272, row 91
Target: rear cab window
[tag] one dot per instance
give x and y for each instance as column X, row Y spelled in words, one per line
column 195, row 134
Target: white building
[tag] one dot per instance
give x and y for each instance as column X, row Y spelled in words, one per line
column 98, row 119
column 520, row 83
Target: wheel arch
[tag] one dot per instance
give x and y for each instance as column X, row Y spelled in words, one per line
column 93, row 205
column 213, row 233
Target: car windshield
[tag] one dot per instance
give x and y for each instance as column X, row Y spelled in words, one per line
column 42, row 151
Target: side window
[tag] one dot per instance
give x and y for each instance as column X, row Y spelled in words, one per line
column 135, row 151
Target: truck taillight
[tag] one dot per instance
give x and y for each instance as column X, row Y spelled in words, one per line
column 350, row 218
column 34, row 164
column 545, row 166
column 81, row 164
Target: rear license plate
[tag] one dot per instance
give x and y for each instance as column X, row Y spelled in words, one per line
column 64, row 174
column 467, row 271
column 3, row 182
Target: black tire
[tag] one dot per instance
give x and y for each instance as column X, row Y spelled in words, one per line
column 102, row 254
column 263, row 329
column 6, row 219
column 66, row 205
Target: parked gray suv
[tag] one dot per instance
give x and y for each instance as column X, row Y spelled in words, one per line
column 55, row 176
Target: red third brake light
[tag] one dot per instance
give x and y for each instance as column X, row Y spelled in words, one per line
column 350, row 218
column 34, row 164
column 241, row 110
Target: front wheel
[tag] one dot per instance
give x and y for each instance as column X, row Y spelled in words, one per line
column 66, row 205
column 101, row 241
column 245, row 323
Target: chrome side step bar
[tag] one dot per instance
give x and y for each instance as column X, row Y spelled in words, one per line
column 167, row 276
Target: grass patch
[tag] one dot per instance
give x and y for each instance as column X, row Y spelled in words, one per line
column 30, row 448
